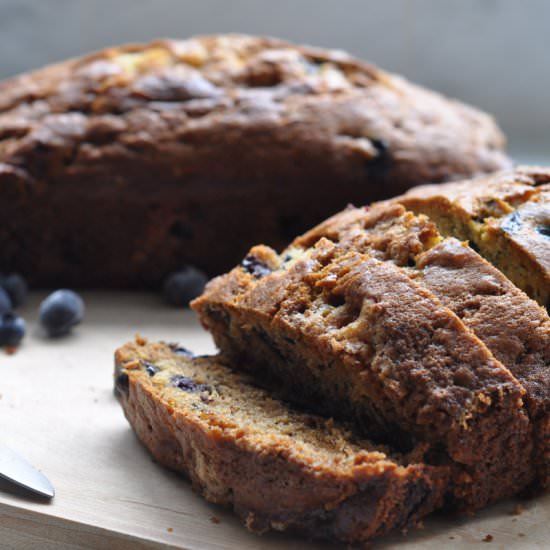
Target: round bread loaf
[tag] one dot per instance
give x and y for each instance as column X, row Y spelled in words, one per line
column 121, row 166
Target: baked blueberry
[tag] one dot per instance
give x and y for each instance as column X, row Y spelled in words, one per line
column 5, row 302
column 180, row 350
column 255, row 266
column 16, row 287
column 183, row 286
column 150, row 369
column 60, row 311
column 188, row 384
column 12, row 330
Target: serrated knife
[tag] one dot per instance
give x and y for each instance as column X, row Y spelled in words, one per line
column 16, row 469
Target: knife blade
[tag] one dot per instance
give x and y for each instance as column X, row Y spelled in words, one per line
column 16, row 469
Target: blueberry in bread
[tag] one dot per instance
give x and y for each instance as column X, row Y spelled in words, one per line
column 505, row 216
column 514, row 327
column 137, row 158
column 278, row 468
column 357, row 336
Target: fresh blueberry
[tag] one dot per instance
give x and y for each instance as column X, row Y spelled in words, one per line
column 181, row 287
column 60, row 311
column 5, row 302
column 12, row 330
column 16, row 287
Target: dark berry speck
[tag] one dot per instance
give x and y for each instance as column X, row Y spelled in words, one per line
column 512, row 223
column 60, row 311
column 183, row 286
column 544, row 230
column 180, row 350
column 12, row 330
column 255, row 266
column 188, row 384
column 150, row 369
column 122, row 384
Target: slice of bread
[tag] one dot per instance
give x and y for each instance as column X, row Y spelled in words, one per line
column 354, row 335
column 277, row 467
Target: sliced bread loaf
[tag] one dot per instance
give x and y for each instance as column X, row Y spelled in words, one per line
column 277, row 467
column 358, row 337
column 514, row 327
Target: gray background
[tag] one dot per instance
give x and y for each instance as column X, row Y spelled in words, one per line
column 491, row 53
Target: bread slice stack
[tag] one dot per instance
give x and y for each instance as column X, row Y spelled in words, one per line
column 433, row 361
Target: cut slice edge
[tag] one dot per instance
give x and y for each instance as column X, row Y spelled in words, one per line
column 277, row 467
column 505, row 216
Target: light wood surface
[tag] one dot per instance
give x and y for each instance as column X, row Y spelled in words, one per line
column 57, row 409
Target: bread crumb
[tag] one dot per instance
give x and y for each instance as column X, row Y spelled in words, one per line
column 140, row 340
column 170, row 530
column 10, row 350
column 215, row 520
column 132, row 365
column 488, row 538
column 521, row 534
column 518, row 509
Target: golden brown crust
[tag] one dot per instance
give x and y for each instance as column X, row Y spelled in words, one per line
column 357, row 336
column 166, row 122
column 279, row 469
column 515, row 328
column 505, row 216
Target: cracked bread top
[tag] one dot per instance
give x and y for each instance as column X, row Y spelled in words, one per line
column 243, row 93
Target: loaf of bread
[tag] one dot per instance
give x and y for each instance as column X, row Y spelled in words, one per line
column 346, row 330
column 411, row 339
column 278, row 468
column 505, row 216
column 121, row 166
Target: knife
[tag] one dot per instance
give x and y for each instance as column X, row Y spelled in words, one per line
column 16, row 469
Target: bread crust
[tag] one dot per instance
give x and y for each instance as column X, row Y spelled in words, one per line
column 270, row 479
column 357, row 336
column 136, row 157
column 506, row 216
column 514, row 327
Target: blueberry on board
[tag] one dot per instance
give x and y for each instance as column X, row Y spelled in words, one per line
column 16, row 287
column 60, row 311
column 5, row 302
column 183, row 286
column 12, row 330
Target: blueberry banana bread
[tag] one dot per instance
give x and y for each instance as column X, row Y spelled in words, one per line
column 358, row 337
column 137, row 157
column 514, row 327
column 278, row 468
column 505, row 216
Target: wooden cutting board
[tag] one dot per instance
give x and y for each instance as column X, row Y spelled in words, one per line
column 58, row 410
